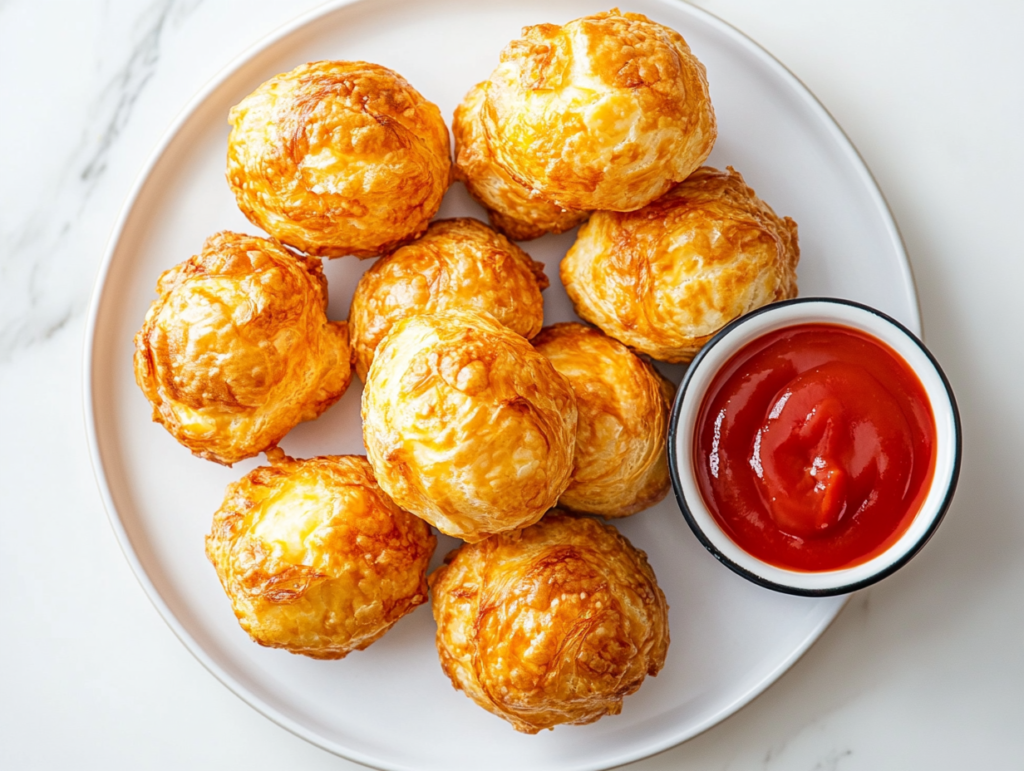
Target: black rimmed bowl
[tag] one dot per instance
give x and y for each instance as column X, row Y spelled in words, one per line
column 690, row 397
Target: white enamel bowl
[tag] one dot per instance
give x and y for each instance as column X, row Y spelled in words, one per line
column 687, row 407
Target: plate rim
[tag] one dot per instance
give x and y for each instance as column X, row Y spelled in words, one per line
column 737, row 36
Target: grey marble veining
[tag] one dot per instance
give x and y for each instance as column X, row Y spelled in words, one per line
column 49, row 253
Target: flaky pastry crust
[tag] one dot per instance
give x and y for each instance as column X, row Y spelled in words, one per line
column 605, row 112
column 458, row 263
column 666, row 278
column 315, row 558
column 466, row 425
column 237, row 350
column 339, row 158
column 623, row 405
column 552, row 625
column 514, row 209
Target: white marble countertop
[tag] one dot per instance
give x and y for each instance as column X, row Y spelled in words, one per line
column 923, row 671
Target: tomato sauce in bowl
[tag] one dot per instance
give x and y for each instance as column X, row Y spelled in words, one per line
column 815, row 447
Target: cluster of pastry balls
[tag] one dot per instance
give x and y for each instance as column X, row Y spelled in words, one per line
column 477, row 419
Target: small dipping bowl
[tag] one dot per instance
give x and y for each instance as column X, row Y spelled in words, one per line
column 720, row 350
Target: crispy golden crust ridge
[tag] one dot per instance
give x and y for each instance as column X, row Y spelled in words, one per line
column 553, row 625
column 459, row 264
column 666, row 278
column 315, row 558
column 514, row 209
column 339, row 158
column 623, row 403
column 466, row 425
column 605, row 112
column 237, row 350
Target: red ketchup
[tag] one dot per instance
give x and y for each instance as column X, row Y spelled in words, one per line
column 815, row 447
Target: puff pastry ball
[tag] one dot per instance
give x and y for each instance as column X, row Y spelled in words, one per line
column 338, row 158
column 315, row 558
column 466, row 425
column 666, row 278
column 514, row 209
column 605, row 112
column 237, row 350
column 552, row 625
column 459, row 263
column 623, row 407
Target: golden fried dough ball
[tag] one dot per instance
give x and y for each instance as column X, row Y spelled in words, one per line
column 237, row 349
column 514, row 209
column 552, row 625
column 666, row 278
column 466, row 425
column 315, row 558
column 623, row 404
column 339, row 158
column 459, row 263
column 605, row 112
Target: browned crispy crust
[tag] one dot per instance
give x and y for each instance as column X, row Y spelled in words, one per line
column 315, row 558
column 237, row 349
column 623, row 405
column 552, row 625
column 664, row 279
column 605, row 112
column 466, row 425
column 459, row 264
column 514, row 209
column 339, row 158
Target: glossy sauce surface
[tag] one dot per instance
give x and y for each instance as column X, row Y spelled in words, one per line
column 814, row 447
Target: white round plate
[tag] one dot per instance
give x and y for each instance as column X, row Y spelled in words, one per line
column 390, row 706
